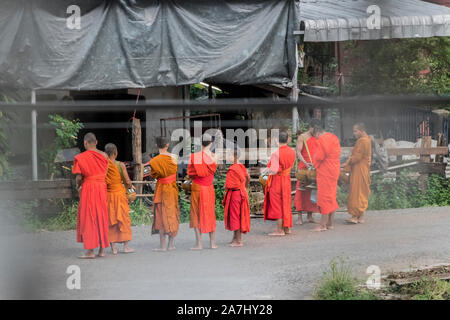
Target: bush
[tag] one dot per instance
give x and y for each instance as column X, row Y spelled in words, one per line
column 139, row 214
column 337, row 283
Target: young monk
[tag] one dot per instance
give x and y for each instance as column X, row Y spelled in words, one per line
column 164, row 167
column 327, row 163
column 306, row 148
column 201, row 168
column 119, row 211
column 359, row 167
column 92, row 218
column 277, row 198
column 235, row 201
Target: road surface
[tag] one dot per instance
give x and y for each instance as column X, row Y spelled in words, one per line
column 266, row 268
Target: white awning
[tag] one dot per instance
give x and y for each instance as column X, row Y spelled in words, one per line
column 341, row 20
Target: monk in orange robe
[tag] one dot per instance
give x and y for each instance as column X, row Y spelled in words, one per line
column 201, row 168
column 166, row 220
column 235, row 201
column 327, row 163
column 277, row 198
column 306, row 148
column 119, row 211
column 359, row 167
column 92, row 218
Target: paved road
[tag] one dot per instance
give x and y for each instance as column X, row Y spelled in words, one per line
column 266, row 268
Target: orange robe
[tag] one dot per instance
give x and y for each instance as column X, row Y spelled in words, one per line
column 92, row 216
column 203, row 216
column 359, row 167
column 118, row 208
column 277, row 198
column 302, row 198
column 235, row 201
column 166, row 207
column 328, row 167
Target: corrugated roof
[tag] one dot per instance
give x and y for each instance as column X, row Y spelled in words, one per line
column 340, row 20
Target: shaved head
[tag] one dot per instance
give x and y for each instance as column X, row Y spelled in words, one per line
column 360, row 126
column 90, row 137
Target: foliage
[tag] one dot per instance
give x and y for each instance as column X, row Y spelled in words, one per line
column 185, row 207
column 33, row 215
column 66, row 137
column 5, row 148
column 403, row 192
column 338, row 283
column 427, row 288
column 139, row 214
column 396, row 66
column 219, row 189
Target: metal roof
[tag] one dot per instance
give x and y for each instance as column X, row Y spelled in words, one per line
column 341, row 20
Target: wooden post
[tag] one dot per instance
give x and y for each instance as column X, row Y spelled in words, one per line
column 426, row 143
column 137, row 153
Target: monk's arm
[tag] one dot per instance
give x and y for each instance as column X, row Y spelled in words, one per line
column 126, row 178
column 78, row 181
column 299, row 149
column 357, row 154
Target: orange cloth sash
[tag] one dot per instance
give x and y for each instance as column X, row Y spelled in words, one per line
column 204, row 181
column 100, row 178
column 168, row 179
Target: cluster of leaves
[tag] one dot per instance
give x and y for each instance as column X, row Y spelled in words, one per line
column 426, row 288
column 396, row 66
column 338, row 283
column 66, row 137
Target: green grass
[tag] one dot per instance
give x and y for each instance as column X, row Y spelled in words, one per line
column 139, row 214
column 338, row 283
column 427, row 288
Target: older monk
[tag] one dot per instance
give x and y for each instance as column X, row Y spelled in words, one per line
column 359, row 167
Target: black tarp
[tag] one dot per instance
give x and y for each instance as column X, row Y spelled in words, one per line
column 137, row 43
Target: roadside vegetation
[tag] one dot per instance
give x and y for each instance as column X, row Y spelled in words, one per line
column 338, row 283
column 404, row 193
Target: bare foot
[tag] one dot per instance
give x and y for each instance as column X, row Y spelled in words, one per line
column 276, row 233
column 87, row 256
column 361, row 221
column 159, row 250
column 312, row 220
column 330, row 227
column 128, row 250
column 213, row 246
column 171, row 248
column 113, row 248
column 287, row 231
column 196, row 248
column 352, row 221
column 318, row 229
column 236, row 244
column 101, row 253
column 299, row 222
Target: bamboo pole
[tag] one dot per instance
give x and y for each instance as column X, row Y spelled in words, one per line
column 137, row 153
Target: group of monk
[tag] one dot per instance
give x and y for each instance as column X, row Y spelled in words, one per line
column 103, row 213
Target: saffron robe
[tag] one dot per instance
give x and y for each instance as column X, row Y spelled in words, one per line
column 359, row 167
column 302, row 198
column 202, row 215
column 166, row 207
column 235, row 201
column 118, row 208
column 92, row 215
column 277, row 197
column 327, row 163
